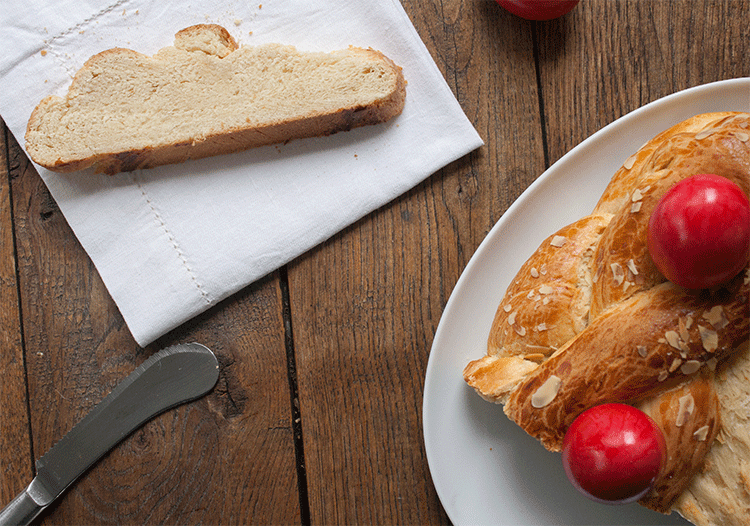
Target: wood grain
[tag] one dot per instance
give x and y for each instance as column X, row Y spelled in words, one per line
column 15, row 444
column 607, row 59
column 363, row 330
column 211, row 458
column 316, row 418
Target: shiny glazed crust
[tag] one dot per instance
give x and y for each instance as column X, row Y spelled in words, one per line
column 590, row 320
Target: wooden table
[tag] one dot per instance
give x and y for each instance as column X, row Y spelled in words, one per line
column 316, row 418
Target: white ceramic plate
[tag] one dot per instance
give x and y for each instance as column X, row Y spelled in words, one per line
column 485, row 469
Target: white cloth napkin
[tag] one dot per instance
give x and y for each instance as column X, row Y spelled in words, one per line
column 172, row 241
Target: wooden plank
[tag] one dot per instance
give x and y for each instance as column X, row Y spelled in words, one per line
column 606, row 59
column 366, row 304
column 15, row 445
column 227, row 457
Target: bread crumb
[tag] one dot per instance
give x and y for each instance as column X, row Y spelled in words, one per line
column 44, row 52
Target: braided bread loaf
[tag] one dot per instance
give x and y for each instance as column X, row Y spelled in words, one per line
column 589, row 320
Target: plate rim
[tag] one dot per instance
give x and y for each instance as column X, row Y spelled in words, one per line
column 670, row 105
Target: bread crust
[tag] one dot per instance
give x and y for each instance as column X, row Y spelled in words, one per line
column 206, row 50
column 630, row 335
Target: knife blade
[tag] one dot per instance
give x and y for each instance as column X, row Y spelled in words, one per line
column 169, row 378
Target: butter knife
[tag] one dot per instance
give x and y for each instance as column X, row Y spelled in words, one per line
column 169, row 378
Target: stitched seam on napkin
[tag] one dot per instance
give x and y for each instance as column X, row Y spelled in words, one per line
column 80, row 26
column 173, row 240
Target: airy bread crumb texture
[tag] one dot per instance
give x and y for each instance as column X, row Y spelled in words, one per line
column 206, row 96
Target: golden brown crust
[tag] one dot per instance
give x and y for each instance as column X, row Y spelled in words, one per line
column 632, row 351
column 547, row 302
column 631, row 336
column 688, row 416
column 709, row 143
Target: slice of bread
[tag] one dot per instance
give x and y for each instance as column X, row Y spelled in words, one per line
column 206, row 96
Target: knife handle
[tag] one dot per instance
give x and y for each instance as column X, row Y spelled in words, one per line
column 20, row 511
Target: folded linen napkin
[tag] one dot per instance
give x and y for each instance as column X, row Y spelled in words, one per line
column 172, row 241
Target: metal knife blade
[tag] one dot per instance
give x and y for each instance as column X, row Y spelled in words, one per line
column 169, row 378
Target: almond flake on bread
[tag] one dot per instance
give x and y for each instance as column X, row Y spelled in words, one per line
column 206, row 96
column 618, row 331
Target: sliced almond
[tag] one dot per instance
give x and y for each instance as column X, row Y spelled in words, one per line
column 673, row 339
column 546, row 392
column 701, row 433
column 642, row 350
column 636, row 207
column 675, row 364
column 534, row 272
column 687, row 406
column 558, row 241
column 546, row 289
column 632, row 267
column 709, row 338
column 690, row 367
column 716, row 317
column 683, row 330
column 534, row 357
column 712, row 363
column 630, row 161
